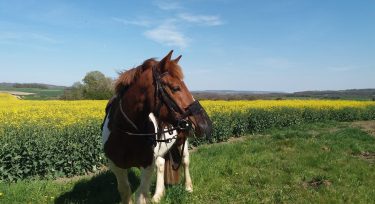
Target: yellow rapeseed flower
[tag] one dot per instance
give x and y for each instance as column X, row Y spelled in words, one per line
column 17, row 113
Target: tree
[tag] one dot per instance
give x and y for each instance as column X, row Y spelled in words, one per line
column 95, row 86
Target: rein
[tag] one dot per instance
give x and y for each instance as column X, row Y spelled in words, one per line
column 126, row 117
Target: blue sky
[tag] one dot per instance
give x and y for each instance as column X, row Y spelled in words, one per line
column 280, row 45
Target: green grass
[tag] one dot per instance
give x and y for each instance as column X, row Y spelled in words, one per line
column 316, row 163
column 40, row 94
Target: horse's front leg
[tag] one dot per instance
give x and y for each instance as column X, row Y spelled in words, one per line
column 122, row 182
column 142, row 192
column 159, row 191
column 185, row 163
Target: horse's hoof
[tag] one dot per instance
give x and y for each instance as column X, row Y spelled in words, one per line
column 189, row 189
column 130, row 202
column 156, row 199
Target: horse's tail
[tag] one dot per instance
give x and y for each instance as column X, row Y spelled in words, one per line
column 172, row 166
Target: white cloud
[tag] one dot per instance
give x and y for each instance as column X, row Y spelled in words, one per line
column 167, row 4
column 340, row 68
column 11, row 37
column 208, row 20
column 168, row 34
column 169, row 31
column 143, row 23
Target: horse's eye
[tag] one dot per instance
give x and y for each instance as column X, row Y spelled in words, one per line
column 175, row 89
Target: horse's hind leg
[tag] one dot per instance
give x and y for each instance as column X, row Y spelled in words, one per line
column 122, row 183
column 185, row 163
column 144, row 188
column 159, row 191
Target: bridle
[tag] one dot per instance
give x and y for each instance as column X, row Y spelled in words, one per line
column 161, row 96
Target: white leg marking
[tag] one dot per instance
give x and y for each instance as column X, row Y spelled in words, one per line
column 185, row 163
column 142, row 192
column 122, row 182
column 159, row 191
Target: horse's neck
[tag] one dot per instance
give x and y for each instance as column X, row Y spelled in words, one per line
column 131, row 108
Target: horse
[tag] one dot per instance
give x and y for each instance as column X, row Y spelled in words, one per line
column 129, row 135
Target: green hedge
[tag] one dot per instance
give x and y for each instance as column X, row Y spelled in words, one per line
column 32, row 152
column 252, row 121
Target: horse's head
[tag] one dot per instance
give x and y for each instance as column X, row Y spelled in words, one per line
column 173, row 102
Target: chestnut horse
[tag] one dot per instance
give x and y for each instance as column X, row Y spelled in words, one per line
column 129, row 136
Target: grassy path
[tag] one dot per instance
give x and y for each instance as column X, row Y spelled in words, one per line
column 318, row 163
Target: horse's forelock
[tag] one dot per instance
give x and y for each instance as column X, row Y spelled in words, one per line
column 175, row 71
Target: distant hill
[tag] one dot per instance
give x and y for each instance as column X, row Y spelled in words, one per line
column 30, row 85
column 238, row 92
column 236, row 95
column 353, row 94
column 361, row 94
column 35, row 91
column 55, row 92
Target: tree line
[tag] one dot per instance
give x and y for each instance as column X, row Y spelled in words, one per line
column 30, row 85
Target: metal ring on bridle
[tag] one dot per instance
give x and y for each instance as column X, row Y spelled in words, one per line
column 184, row 124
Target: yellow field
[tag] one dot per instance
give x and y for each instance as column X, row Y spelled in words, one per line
column 54, row 113
column 59, row 114
column 220, row 106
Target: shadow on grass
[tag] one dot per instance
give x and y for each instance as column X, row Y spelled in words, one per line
column 99, row 189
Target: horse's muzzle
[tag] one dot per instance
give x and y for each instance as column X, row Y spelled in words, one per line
column 201, row 121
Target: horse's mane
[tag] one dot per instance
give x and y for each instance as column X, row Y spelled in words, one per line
column 126, row 78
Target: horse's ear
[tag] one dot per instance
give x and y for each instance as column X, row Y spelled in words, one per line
column 177, row 59
column 165, row 60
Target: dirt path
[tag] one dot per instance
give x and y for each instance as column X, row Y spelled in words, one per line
column 368, row 126
column 17, row 93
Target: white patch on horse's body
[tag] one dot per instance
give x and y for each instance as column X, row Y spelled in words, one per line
column 162, row 147
column 106, row 132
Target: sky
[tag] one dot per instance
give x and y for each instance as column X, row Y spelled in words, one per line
column 263, row 45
